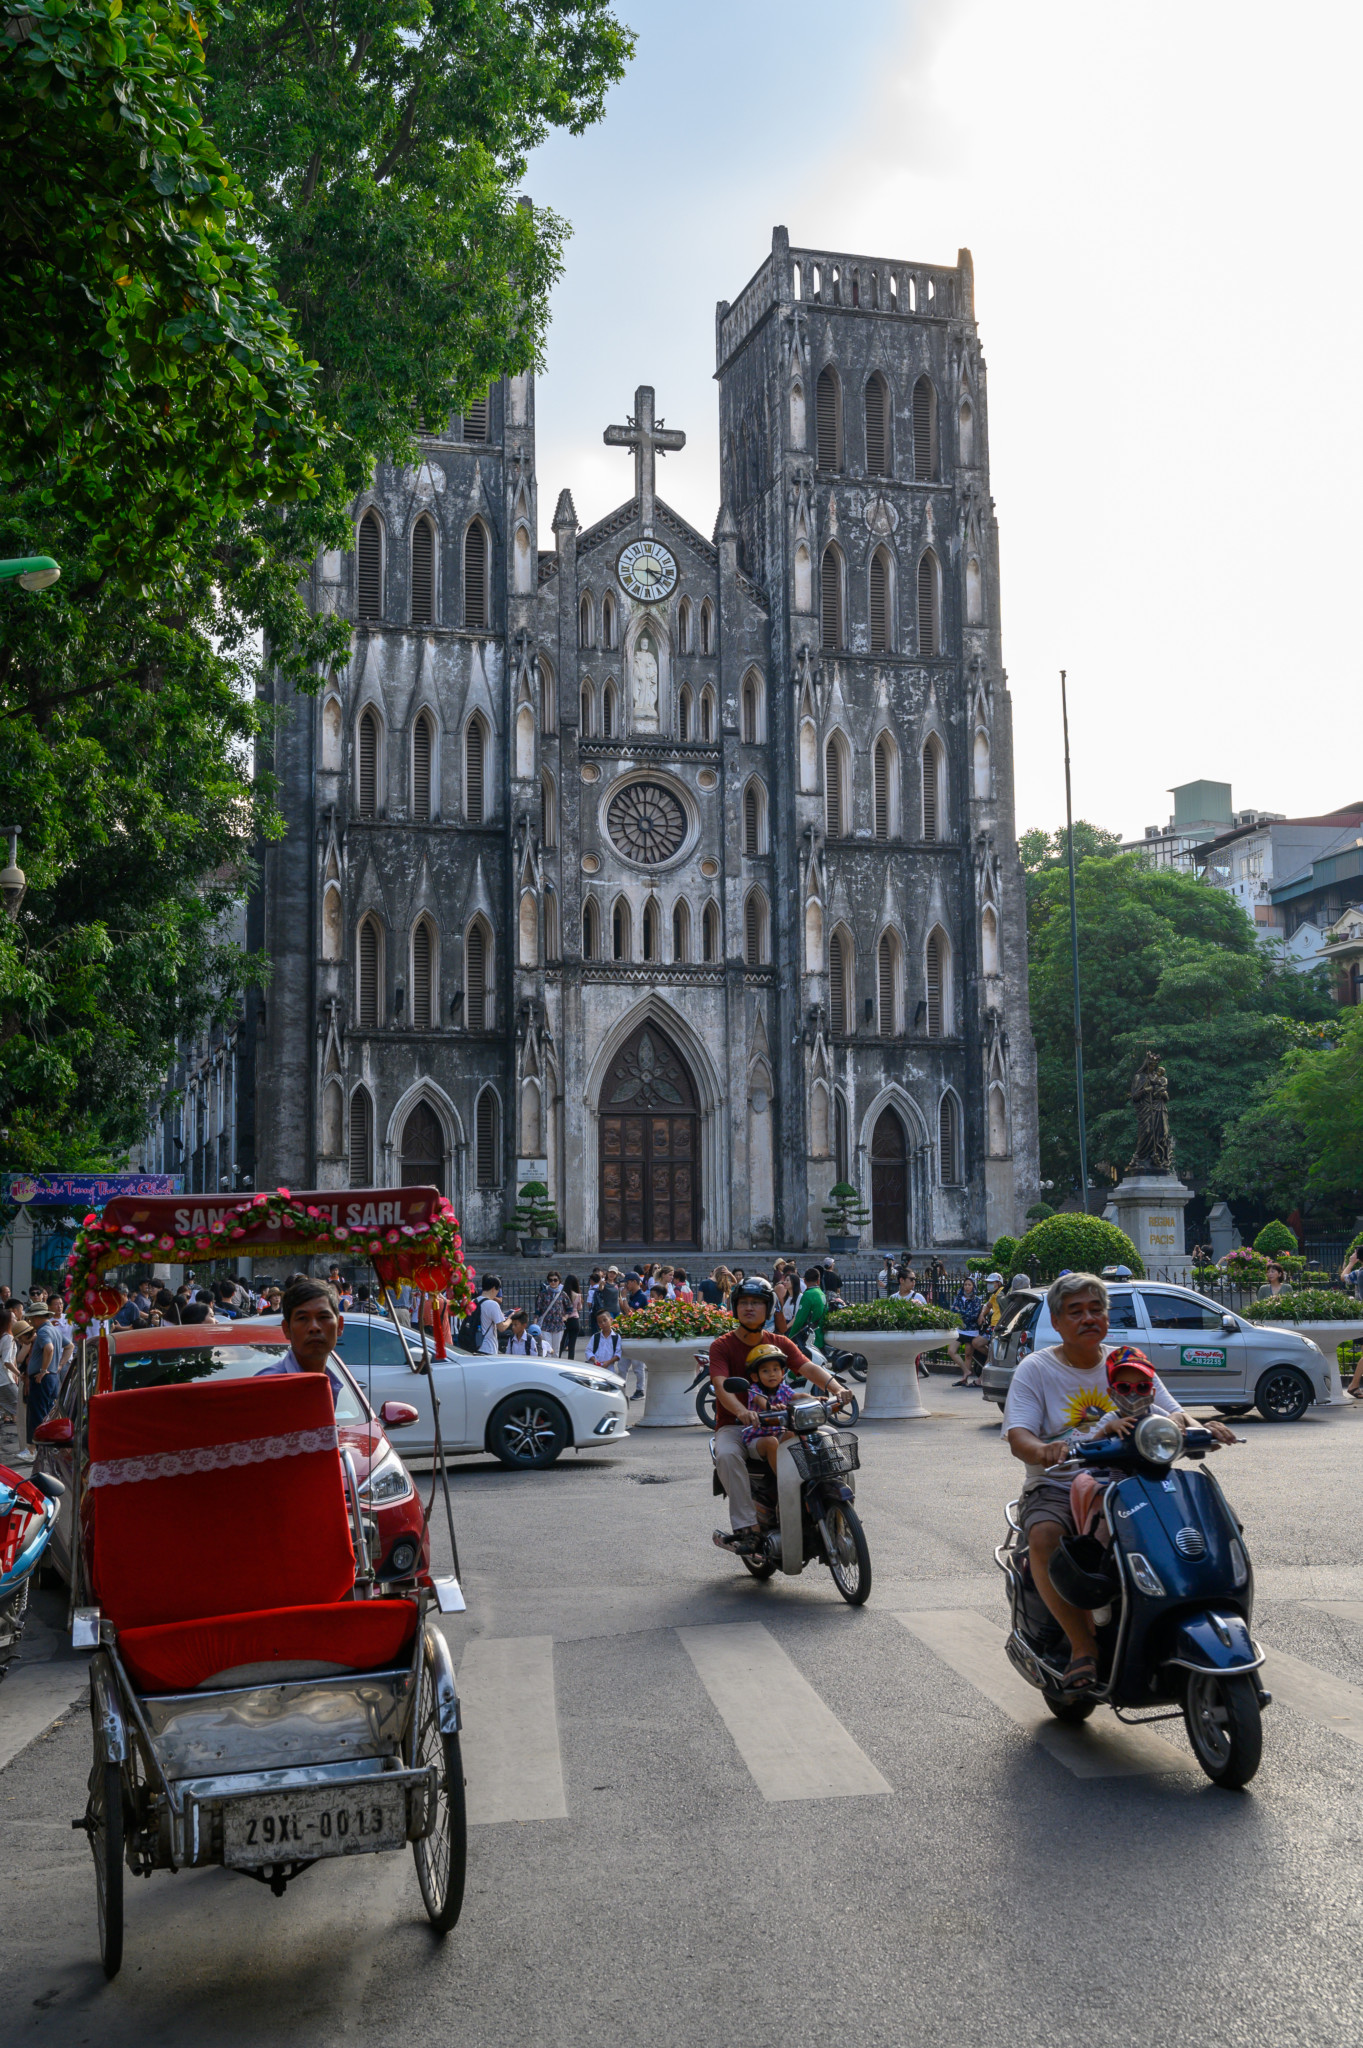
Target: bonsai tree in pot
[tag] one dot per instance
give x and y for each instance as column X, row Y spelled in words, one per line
column 536, row 1220
column 845, row 1216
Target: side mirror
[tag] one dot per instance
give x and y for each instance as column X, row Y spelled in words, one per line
column 1230, row 1326
column 398, row 1415
column 58, row 1429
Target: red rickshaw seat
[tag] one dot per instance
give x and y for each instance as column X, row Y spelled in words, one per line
column 221, row 1532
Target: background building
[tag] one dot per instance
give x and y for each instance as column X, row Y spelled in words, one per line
column 677, row 872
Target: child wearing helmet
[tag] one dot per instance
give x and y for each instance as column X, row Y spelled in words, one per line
column 769, row 1403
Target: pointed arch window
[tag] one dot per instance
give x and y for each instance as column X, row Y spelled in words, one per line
column 709, row 932
column 586, row 624
column 591, row 930
column 881, row 639
column 588, row 710
column 475, row 420
column 477, row 965
column 608, row 712
column 828, row 420
column 475, row 577
column 836, row 820
column 925, row 464
column 367, row 765
column 422, row 751
column 608, row 620
column 652, row 931
column 361, row 1140
column 754, row 821
column 685, row 712
column 423, row 1149
column 884, row 772
column 877, row 426
column 755, row 929
column 552, row 947
column 830, row 598
column 707, row 628
column 423, row 573
column 937, row 971
column 368, row 970
column 948, row 1140
column 929, row 604
column 684, row 626
column 475, row 761
column 369, row 568
column 934, row 821
column 749, row 710
column 839, row 970
column 841, row 1151
column 681, row 932
column 707, row 715
column 622, row 941
column 980, row 762
column 548, row 695
column 423, row 975
column 548, row 811
column 887, row 984
column 965, row 433
column 487, row 1140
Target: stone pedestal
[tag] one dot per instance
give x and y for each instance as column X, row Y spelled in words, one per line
column 1149, row 1208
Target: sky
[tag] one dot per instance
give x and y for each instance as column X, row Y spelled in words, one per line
column 1160, row 203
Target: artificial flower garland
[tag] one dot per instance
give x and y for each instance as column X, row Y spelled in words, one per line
column 430, row 1255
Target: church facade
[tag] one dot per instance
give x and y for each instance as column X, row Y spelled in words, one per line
column 677, row 873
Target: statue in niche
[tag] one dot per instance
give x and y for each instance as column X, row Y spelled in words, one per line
column 1154, row 1151
column 645, row 697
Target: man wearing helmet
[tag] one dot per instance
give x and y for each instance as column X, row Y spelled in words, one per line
column 751, row 1303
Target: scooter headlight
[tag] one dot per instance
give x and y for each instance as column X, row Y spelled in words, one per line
column 1158, row 1440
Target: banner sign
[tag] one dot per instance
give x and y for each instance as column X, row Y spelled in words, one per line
column 84, row 1190
column 235, row 1224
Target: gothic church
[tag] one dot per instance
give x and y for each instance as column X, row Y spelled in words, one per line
column 678, row 873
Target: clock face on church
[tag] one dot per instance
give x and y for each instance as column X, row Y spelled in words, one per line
column 647, row 570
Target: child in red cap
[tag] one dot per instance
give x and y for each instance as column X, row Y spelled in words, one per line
column 1131, row 1382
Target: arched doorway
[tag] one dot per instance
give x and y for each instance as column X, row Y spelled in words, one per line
column 889, row 1183
column 650, row 1148
column 423, row 1149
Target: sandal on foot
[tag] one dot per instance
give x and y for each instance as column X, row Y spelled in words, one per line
column 1080, row 1675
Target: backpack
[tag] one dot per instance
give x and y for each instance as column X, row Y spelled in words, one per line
column 466, row 1339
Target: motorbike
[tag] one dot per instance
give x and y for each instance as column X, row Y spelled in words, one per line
column 846, row 1364
column 28, row 1508
column 1171, row 1594
column 804, row 1509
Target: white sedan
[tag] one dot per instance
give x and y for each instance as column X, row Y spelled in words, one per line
column 523, row 1410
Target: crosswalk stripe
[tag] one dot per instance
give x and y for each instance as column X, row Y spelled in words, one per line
column 510, row 1734
column 791, row 1743
column 1314, row 1694
column 973, row 1646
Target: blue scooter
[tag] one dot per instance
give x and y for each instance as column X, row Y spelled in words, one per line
column 28, row 1508
column 1171, row 1593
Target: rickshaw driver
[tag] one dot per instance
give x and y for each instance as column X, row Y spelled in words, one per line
column 312, row 1324
column 751, row 1302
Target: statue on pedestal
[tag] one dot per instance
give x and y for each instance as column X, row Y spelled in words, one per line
column 1154, row 1151
column 645, row 695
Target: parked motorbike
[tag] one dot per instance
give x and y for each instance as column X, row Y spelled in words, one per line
column 1171, row 1594
column 28, row 1508
column 804, row 1509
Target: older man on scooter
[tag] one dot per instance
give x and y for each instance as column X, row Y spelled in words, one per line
column 752, row 1303
column 1055, row 1392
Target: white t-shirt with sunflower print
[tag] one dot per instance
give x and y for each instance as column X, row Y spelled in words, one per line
column 1050, row 1397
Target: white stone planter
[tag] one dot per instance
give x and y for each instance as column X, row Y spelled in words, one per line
column 891, row 1368
column 669, row 1367
column 1329, row 1336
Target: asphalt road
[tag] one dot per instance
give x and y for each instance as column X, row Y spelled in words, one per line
column 731, row 1815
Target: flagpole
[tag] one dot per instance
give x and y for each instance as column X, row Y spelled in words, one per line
column 1074, row 959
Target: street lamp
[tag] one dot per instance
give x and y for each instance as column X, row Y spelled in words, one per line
column 34, row 572
column 13, row 880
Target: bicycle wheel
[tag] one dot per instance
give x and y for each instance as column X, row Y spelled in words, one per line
column 443, row 1854
column 104, row 1826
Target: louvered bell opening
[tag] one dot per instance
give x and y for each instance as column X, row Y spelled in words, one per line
column 368, row 766
column 877, row 436
column 421, row 977
column 752, row 933
column 930, row 793
column 423, row 573
column 946, row 1138
column 826, row 422
column 924, row 432
column 837, row 987
column 928, row 634
column 750, row 823
column 473, row 772
column 832, row 793
column 369, row 553
column 475, row 421
column 830, row 600
column 360, row 1140
column 475, row 979
column 486, row 1139
column 369, row 976
column 421, row 770
column 882, row 771
column 475, row 576
column 934, row 986
column 880, row 606
column 885, row 966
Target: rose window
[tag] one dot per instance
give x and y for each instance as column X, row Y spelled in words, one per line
column 646, row 823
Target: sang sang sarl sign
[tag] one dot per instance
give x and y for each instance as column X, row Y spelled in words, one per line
column 355, row 1209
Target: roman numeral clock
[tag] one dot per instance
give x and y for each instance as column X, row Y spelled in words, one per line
column 647, row 570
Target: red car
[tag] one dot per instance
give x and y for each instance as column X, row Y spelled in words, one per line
column 175, row 1355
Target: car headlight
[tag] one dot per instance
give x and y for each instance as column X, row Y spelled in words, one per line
column 592, row 1383
column 1158, row 1440
column 388, row 1481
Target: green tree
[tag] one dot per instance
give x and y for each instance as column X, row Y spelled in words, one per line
column 1301, row 1141
column 1165, row 961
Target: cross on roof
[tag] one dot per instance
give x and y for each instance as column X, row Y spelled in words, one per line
column 647, row 437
